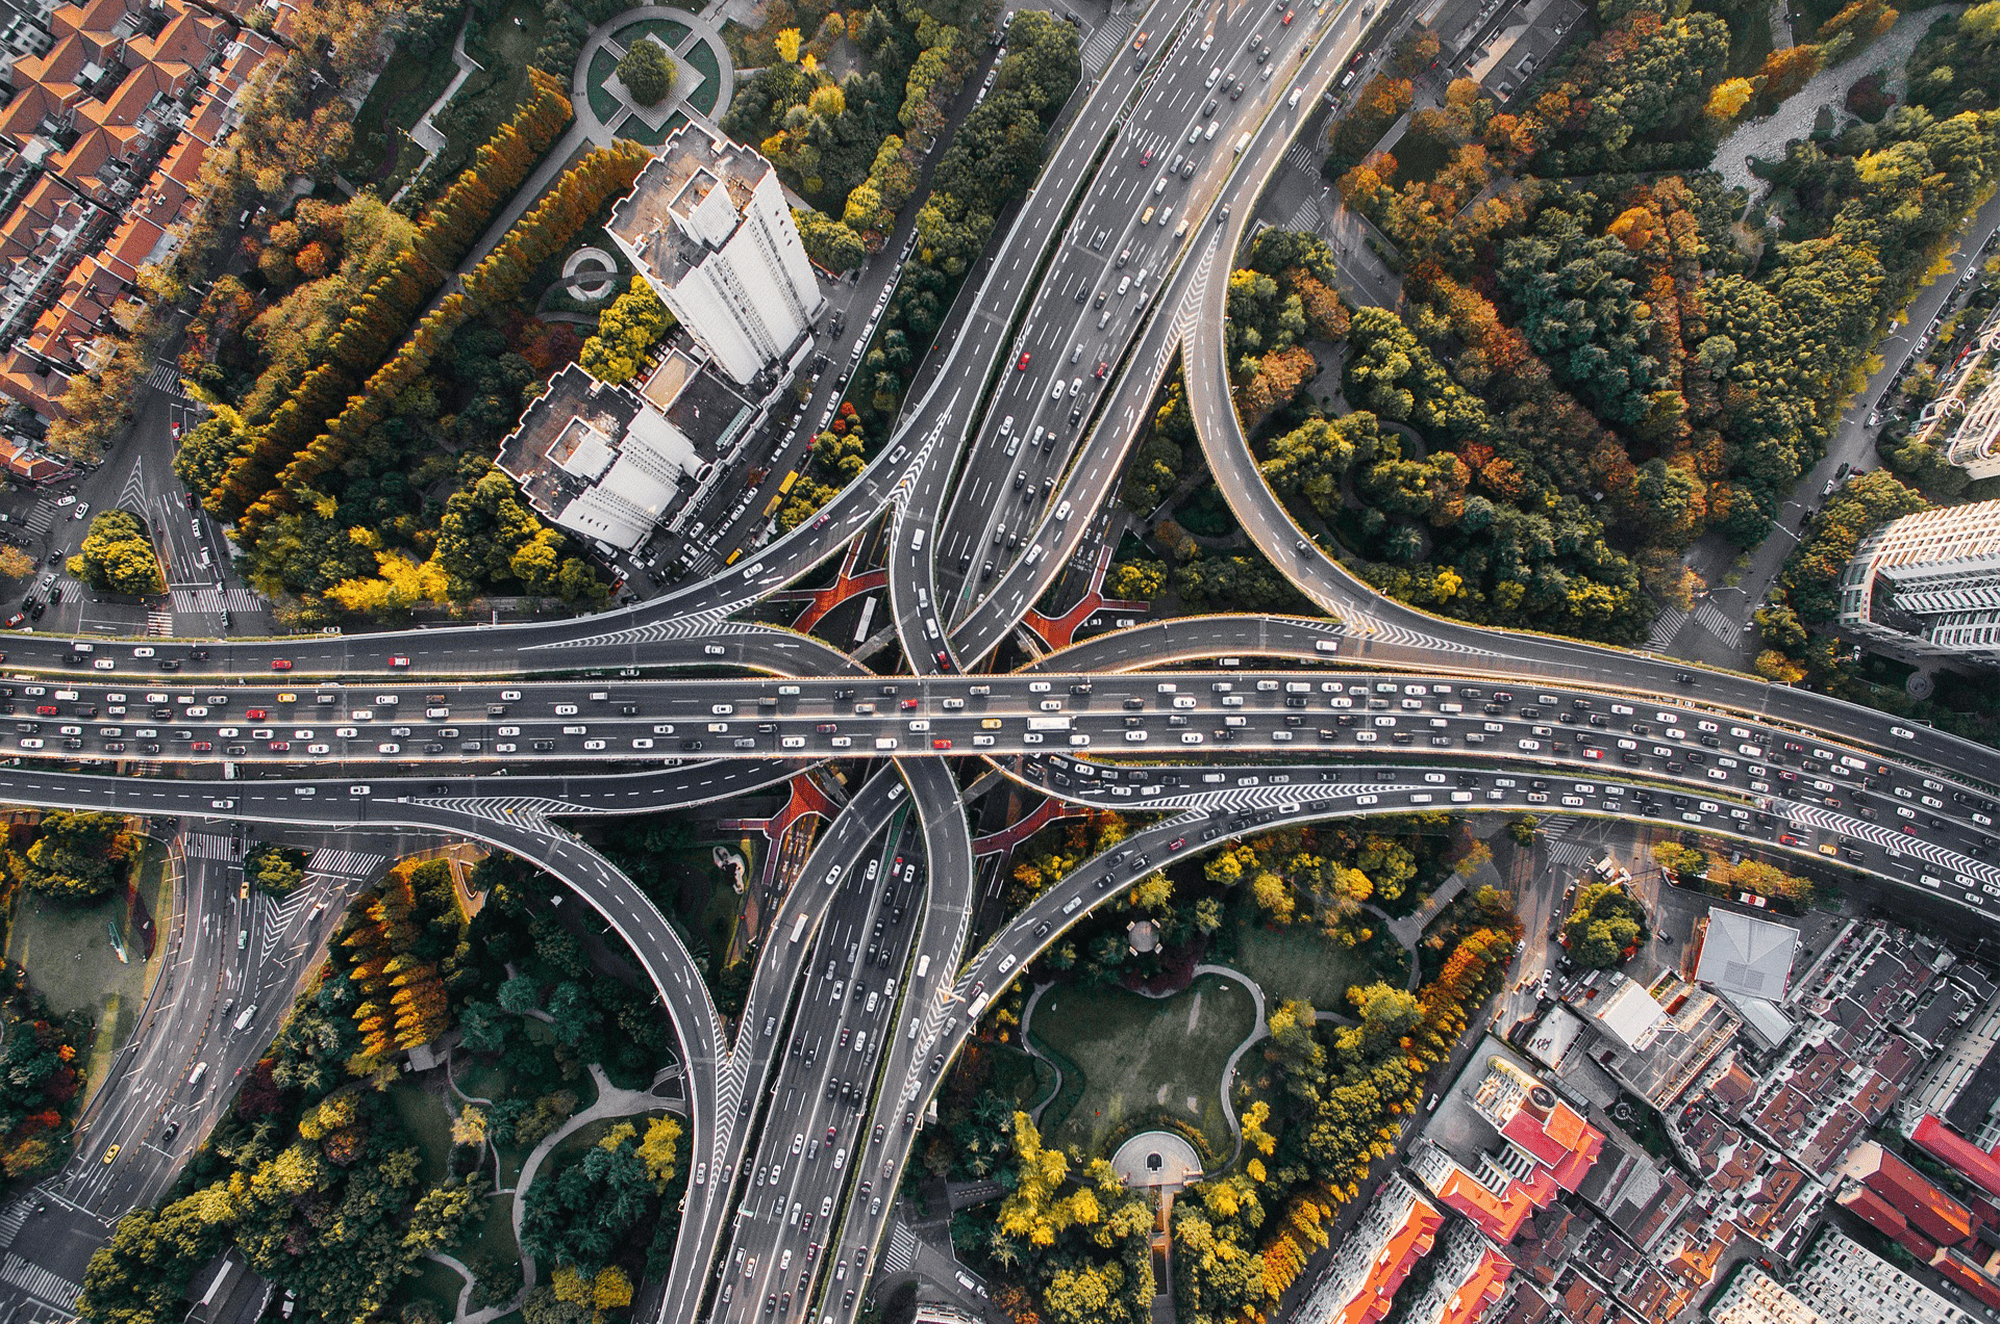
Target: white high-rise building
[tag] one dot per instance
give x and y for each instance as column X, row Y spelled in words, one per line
column 708, row 225
column 1843, row 1283
column 1929, row 583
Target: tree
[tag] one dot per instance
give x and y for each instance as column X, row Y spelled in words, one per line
column 1604, row 923
column 647, row 71
column 15, row 563
column 75, row 854
column 117, row 556
column 1727, row 99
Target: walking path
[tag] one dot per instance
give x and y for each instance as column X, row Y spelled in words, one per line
column 611, row 1102
column 1765, row 139
column 424, row 133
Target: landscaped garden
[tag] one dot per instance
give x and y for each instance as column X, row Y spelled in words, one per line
column 1144, row 1057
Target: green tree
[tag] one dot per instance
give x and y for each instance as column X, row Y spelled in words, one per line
column 647, row 71
column 75, row 854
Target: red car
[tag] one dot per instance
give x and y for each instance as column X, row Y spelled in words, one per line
column 1100, row 368
column 1022, row 366
column 201, row 747
column 15, row 620
column 281, row 746
column 1289, row 16
column 909, row 705
column 940, row 744
column 399, row 661
column 281, row 664
column 257, row 714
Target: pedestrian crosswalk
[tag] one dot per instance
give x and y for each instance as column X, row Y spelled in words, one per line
column 1666, row 626
column 38, row 520
column 1103, row 44
column 1556, row 828
column 50, row 1288
column 1710, row 618
column 344, row 863
column 160, row 624
column 1568, row 855
column 902, row 1252
column 167, row 377
column 14, row 1217
column 207, row 846
column 213, row 599
column 1301, row 157
column 1306, row 219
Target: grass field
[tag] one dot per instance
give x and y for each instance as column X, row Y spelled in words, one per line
column 420, row 1111
column 1298, row 962
column 435, row 1283
column 68, row 952
column 405, row 90
column 703, row 98
column 1144, row 1054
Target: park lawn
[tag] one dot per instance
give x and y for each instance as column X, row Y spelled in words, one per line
column 702, row 57
column 506, row 46
column 419, row 1110
column 400, row 96
column 668, row 31
column 1299, row 962
column 636, row 129
column 1022, row 1080
column 494, row 1236
column 1145, row 1055
column 68, row 951
column 436, row 1283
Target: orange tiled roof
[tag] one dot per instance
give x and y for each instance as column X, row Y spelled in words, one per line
column 1484, row 1286
column 1410, row 1242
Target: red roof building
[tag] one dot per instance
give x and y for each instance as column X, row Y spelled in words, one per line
column 1546, row 1148
column 1359, row 1287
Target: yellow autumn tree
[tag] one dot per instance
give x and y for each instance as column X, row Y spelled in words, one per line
column 787, row 44
column 1727, row 99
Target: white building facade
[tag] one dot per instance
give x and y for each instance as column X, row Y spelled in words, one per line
column 1929, row 583
column 707, row 224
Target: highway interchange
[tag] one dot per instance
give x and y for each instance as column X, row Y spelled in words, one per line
column 803, row 1114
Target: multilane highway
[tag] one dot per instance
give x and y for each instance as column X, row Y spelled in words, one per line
column 803, row 1119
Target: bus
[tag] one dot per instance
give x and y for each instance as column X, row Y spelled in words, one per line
column 771, row 506
column 799, row 926
column 785, row 487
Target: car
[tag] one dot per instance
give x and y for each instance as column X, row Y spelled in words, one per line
column 16, row 620
column 1289, row 16
column 110, row 1154
column 1101, row 367
column 1022, row 366
column 281, row 664
column 142, row 652
column 104, row 664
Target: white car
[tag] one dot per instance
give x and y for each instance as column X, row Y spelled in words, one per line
column 1135, row 737
column 714, row 650
column 509, row 731
column 104, row 664
column 643, row 742
column 565, row 710
column 69, row 500
column 982, row 742
column 720, row 709
column 1032, row 738
column 593, row 744
column 319, row 749
column 1190, row 737
column 142, row 652
column 389, row 749
column 346, row 732
column 842, row 742
column 784, row 742
column 505, row 749
column 509, row 696
column 82, row 509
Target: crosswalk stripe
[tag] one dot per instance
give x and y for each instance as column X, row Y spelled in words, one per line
column 344, row 863
column 14, row 1217
column 206, row 846
column 1568, row 854
column 1711, row 619
column 45, row 1286
column 902, row 1252
column 1556, row 828
column 1666, row 626
column 213, row 600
